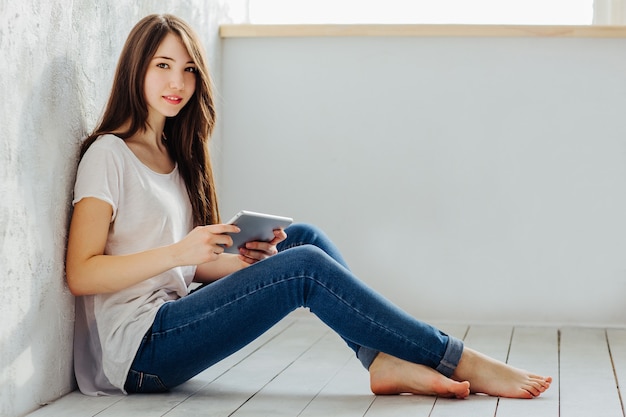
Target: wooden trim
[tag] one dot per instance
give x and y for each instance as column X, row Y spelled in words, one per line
column 264, row 31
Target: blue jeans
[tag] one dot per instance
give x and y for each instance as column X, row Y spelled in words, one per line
column 191, row 334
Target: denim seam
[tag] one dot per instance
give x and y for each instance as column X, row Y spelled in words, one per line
column 372, row 321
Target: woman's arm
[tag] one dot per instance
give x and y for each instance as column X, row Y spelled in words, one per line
column 229, row 263
column 226, row 264
column 89, row 271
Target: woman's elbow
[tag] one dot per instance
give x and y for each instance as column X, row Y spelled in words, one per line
column 76, row 282
column 74, row 285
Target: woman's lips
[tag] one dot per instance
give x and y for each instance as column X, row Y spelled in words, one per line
column 173, row 99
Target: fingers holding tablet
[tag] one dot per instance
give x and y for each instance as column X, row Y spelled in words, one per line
column 255, row 227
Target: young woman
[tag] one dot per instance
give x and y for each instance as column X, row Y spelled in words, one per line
column 145, row 225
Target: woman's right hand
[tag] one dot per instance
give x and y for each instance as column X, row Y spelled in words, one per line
column 204, row 244
column 90, row 271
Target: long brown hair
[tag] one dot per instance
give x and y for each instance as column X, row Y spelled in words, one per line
column 188, row 132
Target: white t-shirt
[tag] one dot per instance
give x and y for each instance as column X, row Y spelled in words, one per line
column 149, row 210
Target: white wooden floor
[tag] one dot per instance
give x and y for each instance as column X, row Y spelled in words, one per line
column 300, row 368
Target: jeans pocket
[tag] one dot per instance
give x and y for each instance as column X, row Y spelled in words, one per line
column 143, row 383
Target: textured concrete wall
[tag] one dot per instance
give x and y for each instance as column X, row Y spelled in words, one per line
column 58, row 61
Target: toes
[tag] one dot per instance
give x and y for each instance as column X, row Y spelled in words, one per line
column 533, row 391
column 527, row 393
column 542, row 383
column 537, row 385
column 463, row 390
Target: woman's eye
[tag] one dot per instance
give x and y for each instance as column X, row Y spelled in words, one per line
column 162, row 65
column 191, row 69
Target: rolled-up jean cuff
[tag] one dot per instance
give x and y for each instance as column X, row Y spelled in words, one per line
column 366, row 356
column 451, row 357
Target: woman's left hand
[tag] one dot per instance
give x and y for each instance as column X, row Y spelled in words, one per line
column 257, row 251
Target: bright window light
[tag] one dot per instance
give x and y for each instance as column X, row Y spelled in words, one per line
column 514, row 12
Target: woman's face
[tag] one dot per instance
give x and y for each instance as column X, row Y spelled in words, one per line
column 171, row 78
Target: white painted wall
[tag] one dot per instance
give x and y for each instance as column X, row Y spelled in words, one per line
column 58, row 62
column 476, row 179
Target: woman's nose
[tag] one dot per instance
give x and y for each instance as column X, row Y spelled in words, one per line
column 177, row 83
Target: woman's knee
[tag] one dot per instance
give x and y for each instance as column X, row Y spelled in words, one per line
column 301, row 234
column 307, row 254
column 304, row 229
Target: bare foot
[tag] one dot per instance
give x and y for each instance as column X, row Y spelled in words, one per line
column 489, row 376
column 390, row 375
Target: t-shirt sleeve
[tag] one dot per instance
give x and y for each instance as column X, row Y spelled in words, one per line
column 99, row 176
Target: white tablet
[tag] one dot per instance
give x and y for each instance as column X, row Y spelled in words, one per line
column 255, row 227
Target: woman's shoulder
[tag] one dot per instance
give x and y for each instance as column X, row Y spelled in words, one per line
column 108, row 140
column 107, row 144
column 107, row 149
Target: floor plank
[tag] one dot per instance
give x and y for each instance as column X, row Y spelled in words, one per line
column 294, row 388
column 587, row 382
column 301, row 368
column 401, row 406
column 230, row 391
column 617, row 345
column 535, row 350
column 75, row 404
column 346, row 395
